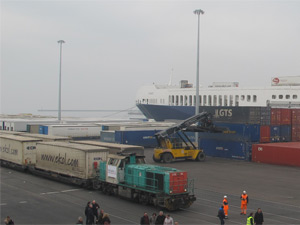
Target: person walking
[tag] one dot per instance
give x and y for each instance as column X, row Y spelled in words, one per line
column 90, row 215
column 153, row 219
column 99, row 221
column 95, row 208
column 226, row 207
column 145, row 219
column 168, row 220
column 160, row 218
column 221, row 215
column 250, row 220
column 9, row 221
column 259, row 217
column 86, row 212
column 244, row 202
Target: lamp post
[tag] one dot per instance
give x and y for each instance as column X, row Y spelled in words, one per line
column 198, row 12
column 60, row 42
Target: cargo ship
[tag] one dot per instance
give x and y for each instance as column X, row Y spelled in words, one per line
column 223, row 99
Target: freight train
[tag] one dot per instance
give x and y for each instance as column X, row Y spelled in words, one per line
column 126, row 175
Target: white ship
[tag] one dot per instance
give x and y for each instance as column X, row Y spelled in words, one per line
column 163, row 102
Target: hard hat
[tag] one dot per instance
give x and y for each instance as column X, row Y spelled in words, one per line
column 244, row 192
column 225, row 196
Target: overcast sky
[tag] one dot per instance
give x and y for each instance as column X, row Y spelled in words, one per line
column 114, row 47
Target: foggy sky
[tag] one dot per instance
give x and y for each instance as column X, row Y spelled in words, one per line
column 114, row 47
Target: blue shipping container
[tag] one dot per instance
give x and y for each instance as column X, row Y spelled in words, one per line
column 144, row 138
column 107, row 136
column 275, row 133
column 41, row 131
column 227, row 149
column 286, row 133
column 45, row 130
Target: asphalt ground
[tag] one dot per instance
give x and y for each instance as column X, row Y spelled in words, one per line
column 30, row 199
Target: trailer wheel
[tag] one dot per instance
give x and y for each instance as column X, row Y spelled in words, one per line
column 167, row 157
column 155, row 160
column 201, row 157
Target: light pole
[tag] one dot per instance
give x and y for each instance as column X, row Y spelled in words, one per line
column 60, row 42
column 198, row 12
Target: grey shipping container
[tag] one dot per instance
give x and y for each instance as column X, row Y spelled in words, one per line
column 115, row 148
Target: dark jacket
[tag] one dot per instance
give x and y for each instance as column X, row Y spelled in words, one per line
column 90, row 216
column 259, row 218
column 160, row 220
column 145, row 220
column 95, row 209
column 221, row 214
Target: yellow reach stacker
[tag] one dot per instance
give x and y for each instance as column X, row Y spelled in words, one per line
column 174, row 144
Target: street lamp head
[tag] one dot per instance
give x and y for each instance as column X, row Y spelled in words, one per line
column 61, row 41
column 198, row 11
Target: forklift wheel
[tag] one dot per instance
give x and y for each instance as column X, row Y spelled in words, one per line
column 201, row 157
column 155, row 160
column 167, row 157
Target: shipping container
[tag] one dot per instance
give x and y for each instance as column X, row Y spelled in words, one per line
column 265, row 134
column 275, row 133
column 115, row 148
column 275, row 116
column 145, row 138
column 107, row 136
column 246, row 132
column 70, row 159
column 296, row 116
column 287, row 153
column 226, row 149
column 296, row 132
column 285, row 117
column 45, row 138
column 285, row 133
column 74, row 130
column 18, row 150
column 265, row 118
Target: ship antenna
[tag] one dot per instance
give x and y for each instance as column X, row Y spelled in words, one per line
column 171, row 76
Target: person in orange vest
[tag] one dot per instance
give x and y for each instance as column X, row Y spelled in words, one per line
column 225, row 204
column 244, row 201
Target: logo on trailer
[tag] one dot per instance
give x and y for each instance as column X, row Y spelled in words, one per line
column 223, row 113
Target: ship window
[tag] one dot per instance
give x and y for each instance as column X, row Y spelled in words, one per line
column 294, row 96
column 177, row 99
column 254, row 98
column 242, row 97
column 220, row 100
column 200, row 99
column 185, row 100
column 209, row 100
column 273, row 96
column 287, row 97
column 236, row 100
column 190, row 100
column 181, row 100
column 215, row 100
column 194, row 99
column 231, row 100
column 248, row 98
column 204, row 100
column 280, row 96
column 225, row 100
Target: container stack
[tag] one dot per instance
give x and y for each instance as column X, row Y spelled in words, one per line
column 295, row 124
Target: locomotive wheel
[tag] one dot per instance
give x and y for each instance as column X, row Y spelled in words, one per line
column 167, row 157
column 201, row 157
column 169, row 205
column 155, row 160
column 187, row 204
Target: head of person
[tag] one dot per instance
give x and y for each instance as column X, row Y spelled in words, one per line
column 251, row 214
column 176, row 223
column 161, row 213
column 168, row 216
column 105, row 215
column 259, row 210
column 106, row 222
column 244, row 192
column 91, row 205
column 80, row 219
column 145, row 214
column 222, row 206
column 93, row 201
column 225, row 196
column 102, row 211
column 153, row 214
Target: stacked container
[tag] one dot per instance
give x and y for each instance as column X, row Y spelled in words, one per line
column 295, row 124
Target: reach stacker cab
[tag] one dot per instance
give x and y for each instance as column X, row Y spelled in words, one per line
column 174, row 144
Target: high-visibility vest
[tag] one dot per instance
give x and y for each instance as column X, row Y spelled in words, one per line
column 249, row 220
column 225, row 203
column 244, row 199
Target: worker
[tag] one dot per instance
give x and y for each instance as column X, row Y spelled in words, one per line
column 250, row 220
column 244, row 202
column 225, row 204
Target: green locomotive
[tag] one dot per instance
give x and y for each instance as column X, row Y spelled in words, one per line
column 130, row 177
